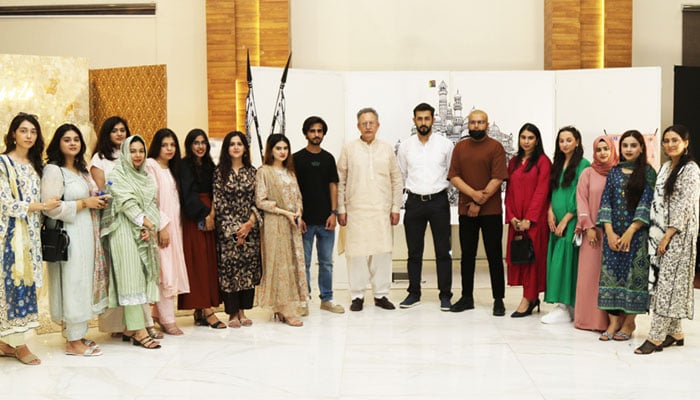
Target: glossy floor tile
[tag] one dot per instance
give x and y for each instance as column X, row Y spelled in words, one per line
column 418, row 353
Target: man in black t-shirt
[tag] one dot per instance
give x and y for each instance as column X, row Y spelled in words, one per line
column 318, row 181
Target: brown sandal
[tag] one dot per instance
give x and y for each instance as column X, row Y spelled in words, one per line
column 154, row 333
column 28, row 358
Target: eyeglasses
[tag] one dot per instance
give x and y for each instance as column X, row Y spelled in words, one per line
column 368, row 123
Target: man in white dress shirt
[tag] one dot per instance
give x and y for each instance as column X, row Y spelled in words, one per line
column 424, row 160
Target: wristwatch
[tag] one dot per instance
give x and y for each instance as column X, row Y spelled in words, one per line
column 334, row 212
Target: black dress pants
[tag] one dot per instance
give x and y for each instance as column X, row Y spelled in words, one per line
column 491, row 227
column 421, row 210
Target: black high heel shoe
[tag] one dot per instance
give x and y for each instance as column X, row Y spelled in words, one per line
column 531, row 306
column 199, row 319
column 670, row 341
column 647, row 348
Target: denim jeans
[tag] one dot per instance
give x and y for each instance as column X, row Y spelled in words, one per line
column 324, row 250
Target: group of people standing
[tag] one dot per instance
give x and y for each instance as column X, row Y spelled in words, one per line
column 147, row 225
column 606, row 247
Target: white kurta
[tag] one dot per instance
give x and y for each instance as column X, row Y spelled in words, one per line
column 370, row 188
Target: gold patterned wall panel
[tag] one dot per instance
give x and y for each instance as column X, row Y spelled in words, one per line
column 137, row 94
column 55, row 89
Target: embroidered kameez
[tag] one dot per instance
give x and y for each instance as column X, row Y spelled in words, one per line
column 283, row 284
column 20, row 241
column 624, row 275
column 78, row 286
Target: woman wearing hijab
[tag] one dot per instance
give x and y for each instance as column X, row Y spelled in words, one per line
column 131, row 222
column 588, row 193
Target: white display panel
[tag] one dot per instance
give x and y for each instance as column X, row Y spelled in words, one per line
column 610, row 100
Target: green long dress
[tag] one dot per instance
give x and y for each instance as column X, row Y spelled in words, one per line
column 562, row 253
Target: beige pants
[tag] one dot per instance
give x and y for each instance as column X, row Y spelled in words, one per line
column 374, row 269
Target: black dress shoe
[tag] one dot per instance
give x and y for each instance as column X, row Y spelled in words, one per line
column 499, row 309
column 357, row 304
column 384, row 303
column 465, row 303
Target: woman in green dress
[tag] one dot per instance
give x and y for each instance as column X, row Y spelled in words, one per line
column 562, row 253
column 131, row 222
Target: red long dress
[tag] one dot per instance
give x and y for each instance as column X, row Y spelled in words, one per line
column 527, row 197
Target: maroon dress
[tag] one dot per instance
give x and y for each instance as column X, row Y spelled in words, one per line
column 196, row 186
column 527, row 197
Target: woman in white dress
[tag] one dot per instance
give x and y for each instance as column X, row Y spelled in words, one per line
column 78, row 286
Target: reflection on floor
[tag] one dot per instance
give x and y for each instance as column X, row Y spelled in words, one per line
column 419, row 353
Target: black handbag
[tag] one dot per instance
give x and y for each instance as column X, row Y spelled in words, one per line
column 54, row 241
column 521, row 249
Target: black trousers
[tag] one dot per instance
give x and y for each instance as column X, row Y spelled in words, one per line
column 236, row 301
column 491, row 227
column 419, row 212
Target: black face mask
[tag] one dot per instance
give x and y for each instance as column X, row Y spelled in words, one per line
column 477, row 135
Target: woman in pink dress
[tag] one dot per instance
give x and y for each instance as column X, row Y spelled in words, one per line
column 527, row 201
column 163, row 159
column 588, row 193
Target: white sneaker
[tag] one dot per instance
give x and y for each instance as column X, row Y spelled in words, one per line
column 559, row 314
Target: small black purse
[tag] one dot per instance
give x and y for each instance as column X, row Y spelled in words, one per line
column 54, row 241
column 521, row 249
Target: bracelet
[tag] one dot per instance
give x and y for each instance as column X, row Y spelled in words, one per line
column 83, row 203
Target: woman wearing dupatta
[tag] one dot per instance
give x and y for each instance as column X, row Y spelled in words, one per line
column 283, row 286
column 131, row 222
column 20, row 224
column 588, row 193
column 78, row 286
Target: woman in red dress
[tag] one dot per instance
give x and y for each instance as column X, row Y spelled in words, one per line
column 527, row 200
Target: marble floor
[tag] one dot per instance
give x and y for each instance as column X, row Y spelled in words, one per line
column 418, row 353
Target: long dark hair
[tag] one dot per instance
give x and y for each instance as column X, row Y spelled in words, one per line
column 272, row 140
column 157, row 142
column 684, row 133
column 225, row 158
column 635, row 185
column 536, row 152
column 56, row 156
column 104, row 146
column 205, row 163
column 560, row 159
column 36, row 151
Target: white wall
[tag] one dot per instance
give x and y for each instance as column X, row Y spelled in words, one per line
column 417, row 34
column 175, row 36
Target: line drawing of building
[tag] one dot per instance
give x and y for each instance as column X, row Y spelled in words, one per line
column 451, row 123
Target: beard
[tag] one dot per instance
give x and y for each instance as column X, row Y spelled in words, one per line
column 424, row 129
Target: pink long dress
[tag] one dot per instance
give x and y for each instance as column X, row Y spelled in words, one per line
column 588, row 193
column 173, row 271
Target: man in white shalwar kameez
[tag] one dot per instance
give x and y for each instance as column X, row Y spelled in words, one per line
column 369, row 201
